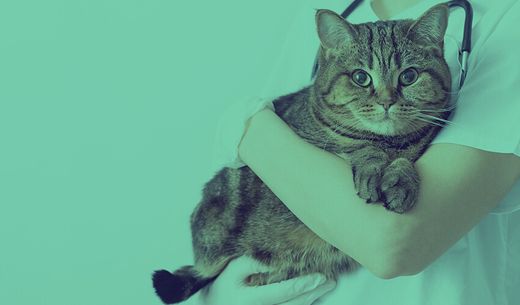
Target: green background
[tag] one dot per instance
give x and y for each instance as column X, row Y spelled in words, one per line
column 107, row 116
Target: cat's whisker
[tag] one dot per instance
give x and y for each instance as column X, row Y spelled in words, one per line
column 436, row 110
column 414, row 125
column 435, row 118
column 330, row 138
column 429, row 117
column 429, row 122
column 449, row 107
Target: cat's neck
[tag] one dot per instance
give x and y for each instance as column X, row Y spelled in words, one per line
column 386, row 9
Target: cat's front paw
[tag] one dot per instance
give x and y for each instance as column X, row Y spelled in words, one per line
column 367, row 178
column 400, row 186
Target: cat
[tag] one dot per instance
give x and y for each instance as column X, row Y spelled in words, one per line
column 380, row 96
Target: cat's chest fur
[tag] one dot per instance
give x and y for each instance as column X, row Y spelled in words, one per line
column 309, row 124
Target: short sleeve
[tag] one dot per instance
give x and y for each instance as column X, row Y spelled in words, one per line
column 230, row 128
column 487, row 113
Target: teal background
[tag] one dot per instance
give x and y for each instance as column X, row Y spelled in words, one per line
column 107, row 116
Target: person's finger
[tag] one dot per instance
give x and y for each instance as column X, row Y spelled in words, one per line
column 310, row 297
column 286, row 290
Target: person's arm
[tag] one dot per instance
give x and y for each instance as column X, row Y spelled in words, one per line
column 459, row 186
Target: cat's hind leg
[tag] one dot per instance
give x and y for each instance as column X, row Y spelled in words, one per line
column 270, row 277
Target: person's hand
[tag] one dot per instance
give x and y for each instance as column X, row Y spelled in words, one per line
column 229, row 289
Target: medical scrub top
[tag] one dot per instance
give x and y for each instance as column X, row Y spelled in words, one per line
column 483, row 267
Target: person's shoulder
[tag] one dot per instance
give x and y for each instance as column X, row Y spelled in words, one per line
column 501, row 19
column 487, row 113
column 494, row 34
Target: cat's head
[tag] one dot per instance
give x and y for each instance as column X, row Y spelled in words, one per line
column 383, row 77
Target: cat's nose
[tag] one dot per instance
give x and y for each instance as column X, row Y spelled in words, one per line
column 386, row 97
column 386, row 103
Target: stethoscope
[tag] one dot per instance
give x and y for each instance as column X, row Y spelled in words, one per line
column 466, row 39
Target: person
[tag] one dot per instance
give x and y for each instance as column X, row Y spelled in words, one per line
column 460, row 244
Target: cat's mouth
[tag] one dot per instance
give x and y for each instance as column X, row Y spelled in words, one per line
column 389, row 122
column 385, row 123
column 385, row 117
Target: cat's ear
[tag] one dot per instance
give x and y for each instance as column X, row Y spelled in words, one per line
column 431, row 26
column 334, row 31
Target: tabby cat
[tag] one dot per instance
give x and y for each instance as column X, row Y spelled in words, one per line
column 379, row 97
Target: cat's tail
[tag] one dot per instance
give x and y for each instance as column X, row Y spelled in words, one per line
column 178, row 286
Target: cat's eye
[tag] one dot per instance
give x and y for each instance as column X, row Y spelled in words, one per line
column 361, row 78
column 408, row 77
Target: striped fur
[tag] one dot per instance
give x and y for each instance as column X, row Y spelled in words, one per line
column 238, row 214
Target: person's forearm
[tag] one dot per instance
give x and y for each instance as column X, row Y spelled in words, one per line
column 318, row 188
column 459, row 186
